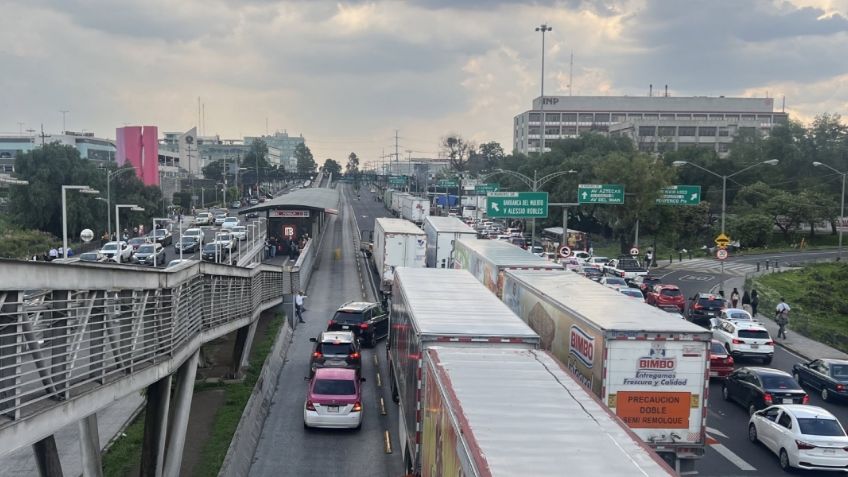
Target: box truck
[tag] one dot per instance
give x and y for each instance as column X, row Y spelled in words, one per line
column 397, row 199
column 397, row 243
column 441, row 233
column 414, row 209
column 387, row 198
column 488, row 259
column 650, row 368
column 440, row 307
column 508, row 412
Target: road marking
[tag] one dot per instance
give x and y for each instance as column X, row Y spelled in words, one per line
column 388, row 442
column 733, row 458
column 717, row 432
column 696, row 278
column 379, row 381
column 382, row 407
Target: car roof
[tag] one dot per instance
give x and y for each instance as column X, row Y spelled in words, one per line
column 335, row 373
column 337, row 336
column 356, row 306
column 806, row 411
column 746, row 325
column 735, row 310
column 719, row 343
column 766, row 371
column 711, row 296
column 667, row 286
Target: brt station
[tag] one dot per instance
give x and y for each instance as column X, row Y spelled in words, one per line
column 298, row 214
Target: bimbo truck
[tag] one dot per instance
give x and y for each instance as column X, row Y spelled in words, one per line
column 447, row 308
column 650, row 369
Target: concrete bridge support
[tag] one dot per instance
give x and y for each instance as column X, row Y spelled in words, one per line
column 241, row 348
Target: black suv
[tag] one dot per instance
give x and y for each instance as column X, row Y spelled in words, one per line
column 704, row 306
column 368, row 321
column 758, row 388
column 338, row 349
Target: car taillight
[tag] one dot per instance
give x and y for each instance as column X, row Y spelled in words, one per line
column 357, row 406
column 804, row 445
column 806, row 399
column 331, row 323
column 317, row 354
column 840, row 387
column 354, row 356
column 769, row 343
column 363, row 326
column 768, row 399
column 309, row 405
column 738, row 341
column 697, row 306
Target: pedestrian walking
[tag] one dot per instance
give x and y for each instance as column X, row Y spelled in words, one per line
column 755, row 303
column 298, row 306
column 734, row 297
column 53, row 254
column 746, row 302
column 781, row 317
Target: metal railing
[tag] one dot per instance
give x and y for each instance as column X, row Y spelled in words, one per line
column 74, row 337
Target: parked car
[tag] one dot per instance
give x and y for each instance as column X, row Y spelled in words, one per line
column 334, row 399
column 92, row 257
column 632, row 292
column 162, row 236
column 117, row 251
column 240, row 232
column 229, row 223
column 136, row 242
column 613, row 282
column 646, row 283
column 204, row 218
column 368, row 321
column 721, row 363
column 151, row 253
column 188, row 244
column 598, row 262
column 666, row 296
column 745, row 340
column 215, row 251
column 757, row 388
column 805, row 437
column 828, row 376
column 335, row 349
column 591, row 273
column 703, row 306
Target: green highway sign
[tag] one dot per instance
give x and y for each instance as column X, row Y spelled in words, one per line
column 486, row 188
column 397, row 180
column 600, row 194
column 680, row 195
column 447, row 183
column 519, row 205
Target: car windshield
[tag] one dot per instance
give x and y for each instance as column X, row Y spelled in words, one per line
column 708, row 303
column 146, row 249
column 332, row 348
column 670, row 292
column 210, row 247
column 110, row 246
column 159, row 232
column 820, row 427
column 136, row 241
column 774, row 381
column 343, row 316
column 615, row 281
column 334, row 387
column 188, row 240
column 754, row 334
column 224, row 237
column 239, row 228
column 631, row 292
column 717, row 348
column 738, row 315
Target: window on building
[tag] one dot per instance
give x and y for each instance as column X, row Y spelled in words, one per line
column 600, row 127
column 651, row 116
column 619, row 117
column 731, row 116
column 723, row 132
column 724, row 147
column 647, row 131
column 749, row 116
column 634, row 115
column 746, row 131
column 709, row 146
column 716, row 117
column 705, row 131
column 535, row 117
column 602, row 117
column 667, row 131
column 569, row 117
column 699, row 116
column 587, row 117
column 533, row 143
column 569, row 130
column 766, row 118
column 534, row 130
column 667, row 116
column 666, row 146
column 688, row 131
column 646, row 146
column 551, row 117
column 684, row 116
column 551, row 130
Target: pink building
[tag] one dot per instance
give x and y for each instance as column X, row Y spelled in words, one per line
column 139, row 145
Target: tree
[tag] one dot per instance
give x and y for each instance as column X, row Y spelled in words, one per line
column 458, row 150
column 352, row 166
column 213, row 170
column 752, row 230
column 332, row 167
column 486, row 157
column 305, row 161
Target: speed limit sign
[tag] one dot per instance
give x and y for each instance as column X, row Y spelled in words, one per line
column 564, row 251
column 721, row 254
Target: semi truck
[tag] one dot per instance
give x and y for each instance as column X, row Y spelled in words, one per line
column 447, row 308
column 442, row 233
column 397, row 200
column 414, row 209
column 648, row 367
column 507, row 412
column 387, row 198
column 397, row 243
column 489, row 259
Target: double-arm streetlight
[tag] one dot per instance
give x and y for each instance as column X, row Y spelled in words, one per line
column 842, row 207
column 83, row 189
column 770, row 162
column 118, row 207
column 109, row 176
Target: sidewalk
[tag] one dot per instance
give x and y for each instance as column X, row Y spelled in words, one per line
column 794, row 342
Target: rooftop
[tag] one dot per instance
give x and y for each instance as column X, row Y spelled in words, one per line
column 313, row 198
column 657, row 104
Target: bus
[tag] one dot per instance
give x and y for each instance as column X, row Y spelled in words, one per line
column 577, row 240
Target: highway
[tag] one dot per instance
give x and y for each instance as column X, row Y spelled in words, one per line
column 285, row 446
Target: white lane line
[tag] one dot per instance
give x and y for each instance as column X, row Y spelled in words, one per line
column 733, row 458
column 716, row 432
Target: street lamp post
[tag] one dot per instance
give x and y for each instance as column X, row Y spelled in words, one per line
column 842, row 206
column 544, row 28
column 109, row 176
column 84, row 189
column 134, row 208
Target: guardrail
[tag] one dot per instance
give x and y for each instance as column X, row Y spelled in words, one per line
column 75, row 337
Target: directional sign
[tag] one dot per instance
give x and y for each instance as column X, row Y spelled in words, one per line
column 564, row 251
column 520, row 205
column 722, row 240
column 680, row 195
column 447, row 183
column 600, row 194
column 486, row 188
column 721, row 254
column 397, row 180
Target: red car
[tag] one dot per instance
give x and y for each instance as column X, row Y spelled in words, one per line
column 334, row 399
column 666, row 296
column 721, row 363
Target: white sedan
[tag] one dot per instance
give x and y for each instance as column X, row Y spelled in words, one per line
column 229, row 223
column 804, row 437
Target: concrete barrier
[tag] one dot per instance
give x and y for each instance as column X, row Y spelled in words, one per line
column 240, row 454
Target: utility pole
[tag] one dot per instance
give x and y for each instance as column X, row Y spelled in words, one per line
column 543, row 28
column 64, row 112
column 397, row 157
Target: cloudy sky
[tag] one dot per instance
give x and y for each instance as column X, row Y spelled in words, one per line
column 346, row 75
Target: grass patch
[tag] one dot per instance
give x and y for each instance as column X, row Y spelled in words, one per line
column 237, row 395
column 818, row 295
column 125, row 453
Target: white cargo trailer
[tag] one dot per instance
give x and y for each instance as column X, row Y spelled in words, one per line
column 397, row 200
column 650, row 368
column 488, row 259
column 509, row 412
column 440, row 307
column 397, row 243
column 441, row 233
column 414, row 209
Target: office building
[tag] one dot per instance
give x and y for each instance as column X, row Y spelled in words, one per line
column 654, row 123
column 197, row 152
column 284, row 143
column 89, row 146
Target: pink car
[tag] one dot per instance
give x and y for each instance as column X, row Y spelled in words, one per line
column 334, row 399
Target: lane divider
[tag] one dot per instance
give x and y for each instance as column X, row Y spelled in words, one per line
column 379, row 381
column 382, row 407
column 388, row 442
